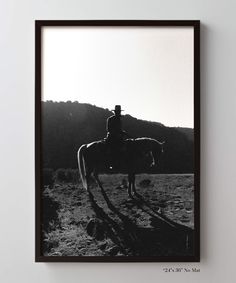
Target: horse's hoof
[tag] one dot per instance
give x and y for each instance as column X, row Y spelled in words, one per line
column 130, row 196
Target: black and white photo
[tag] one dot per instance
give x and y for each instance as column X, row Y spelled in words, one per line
column 117, row 141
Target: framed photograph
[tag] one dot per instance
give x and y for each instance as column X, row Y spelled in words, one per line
column 117, row 141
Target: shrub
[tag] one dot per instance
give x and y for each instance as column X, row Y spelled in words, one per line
column 66, row 175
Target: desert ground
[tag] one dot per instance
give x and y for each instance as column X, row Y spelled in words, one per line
column 158, row 222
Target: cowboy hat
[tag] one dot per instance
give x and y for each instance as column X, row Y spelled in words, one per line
column 117, row 109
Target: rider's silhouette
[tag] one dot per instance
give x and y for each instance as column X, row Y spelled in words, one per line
column 115, row 135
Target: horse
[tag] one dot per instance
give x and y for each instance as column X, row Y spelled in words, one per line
column 93, row 159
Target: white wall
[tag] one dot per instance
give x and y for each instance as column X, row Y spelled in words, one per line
column 218, row 192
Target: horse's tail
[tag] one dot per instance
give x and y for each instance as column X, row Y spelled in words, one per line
column 82, row 168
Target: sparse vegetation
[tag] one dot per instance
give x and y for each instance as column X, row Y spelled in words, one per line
column 80, row 225
column 66, row 176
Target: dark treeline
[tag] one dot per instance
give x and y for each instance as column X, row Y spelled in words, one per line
column 68, row 125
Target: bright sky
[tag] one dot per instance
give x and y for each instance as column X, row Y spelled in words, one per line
column 148, row 71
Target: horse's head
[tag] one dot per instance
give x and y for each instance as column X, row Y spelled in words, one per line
column 162, row 146
column 157, row 150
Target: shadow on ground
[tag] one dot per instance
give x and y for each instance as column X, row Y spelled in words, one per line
column 104, row 222
column 163, row 238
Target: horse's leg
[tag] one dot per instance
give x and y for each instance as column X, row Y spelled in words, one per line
column 133, row 186
column 89, row 168
column 156, row 151
column 131, row 182
column 88, row 178
column 153, row 159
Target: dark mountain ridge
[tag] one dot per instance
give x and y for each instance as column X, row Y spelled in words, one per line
column 68, row 125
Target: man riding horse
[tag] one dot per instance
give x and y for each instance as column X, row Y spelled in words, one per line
column 115, row 136
column 117, row 152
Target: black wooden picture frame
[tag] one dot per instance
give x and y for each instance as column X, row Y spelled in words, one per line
column 39, row 26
